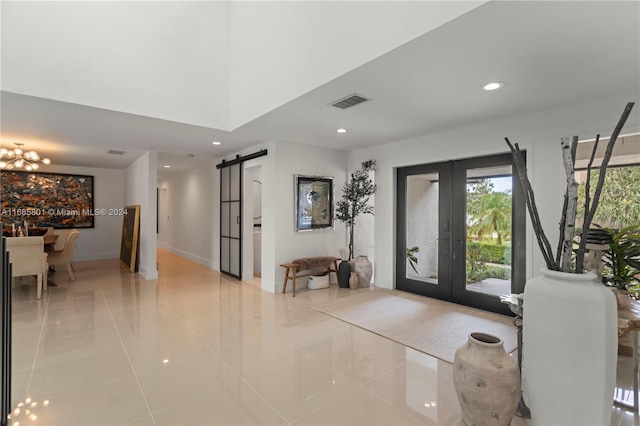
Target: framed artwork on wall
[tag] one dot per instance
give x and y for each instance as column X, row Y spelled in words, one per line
column 47, row 199
column 313, row 203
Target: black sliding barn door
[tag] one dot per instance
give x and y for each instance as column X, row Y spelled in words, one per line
column 231, row 220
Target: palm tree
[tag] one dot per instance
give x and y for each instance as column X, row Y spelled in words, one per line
column 489, row 212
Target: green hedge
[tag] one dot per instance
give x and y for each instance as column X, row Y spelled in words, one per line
column 492, row 253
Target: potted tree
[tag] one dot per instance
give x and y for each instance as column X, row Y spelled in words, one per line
column 356, row 194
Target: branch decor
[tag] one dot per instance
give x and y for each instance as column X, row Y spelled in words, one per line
column 565, row 260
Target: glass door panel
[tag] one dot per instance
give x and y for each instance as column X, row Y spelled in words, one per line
column 423, row 247
column 488, row 237
column 422, row 227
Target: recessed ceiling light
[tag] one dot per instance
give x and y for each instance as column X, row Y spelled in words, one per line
column 216, row 143
column 341, row 130
column 493, row 85
column 166, row 166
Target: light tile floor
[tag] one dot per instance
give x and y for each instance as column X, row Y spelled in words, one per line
column 196, row 348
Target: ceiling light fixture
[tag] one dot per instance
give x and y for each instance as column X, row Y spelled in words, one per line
column 341, row 130
column 216, row 143
column 166, row 166
column 17, row 158
column 493, row 85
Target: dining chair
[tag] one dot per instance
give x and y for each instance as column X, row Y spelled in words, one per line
column 65, row 256
column 27, row 257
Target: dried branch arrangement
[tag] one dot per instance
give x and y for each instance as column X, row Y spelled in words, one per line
column 563, row 260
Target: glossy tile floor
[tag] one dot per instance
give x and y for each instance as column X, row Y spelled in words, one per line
column 195, row 348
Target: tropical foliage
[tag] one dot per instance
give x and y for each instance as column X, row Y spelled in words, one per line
column 488, row 226
column 620, row 200
column 622, row 260
column 488, row 212
column 411, row 256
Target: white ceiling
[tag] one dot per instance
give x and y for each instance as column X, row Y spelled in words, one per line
column 549, row 54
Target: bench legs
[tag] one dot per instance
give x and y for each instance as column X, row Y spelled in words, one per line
column 293, row 279
column 293, row 268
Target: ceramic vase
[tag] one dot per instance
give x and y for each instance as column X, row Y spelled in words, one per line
column 363, row 267
column 353, row 281
column 344, row 273
column 569, row 349
column 486, row 380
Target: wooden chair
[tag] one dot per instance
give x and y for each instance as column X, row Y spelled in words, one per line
column 27, row 257
column 65, row 256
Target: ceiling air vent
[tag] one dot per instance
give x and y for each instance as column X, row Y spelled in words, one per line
column 116, row 152
column 350, row 101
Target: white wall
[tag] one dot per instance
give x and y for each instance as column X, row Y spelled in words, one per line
column 188, row 214
column 538, row 133
column 140, row 188
column 291, row 159
column 280, row 242
column 102, row 241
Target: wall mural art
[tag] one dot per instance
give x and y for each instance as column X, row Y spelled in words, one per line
column 47, row 200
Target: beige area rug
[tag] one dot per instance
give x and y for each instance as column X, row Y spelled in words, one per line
column 431, row 326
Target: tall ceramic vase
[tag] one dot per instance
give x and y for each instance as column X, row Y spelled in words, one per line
column 344, row 273
column 569, row 349
column 486, row 380
column 363, row 267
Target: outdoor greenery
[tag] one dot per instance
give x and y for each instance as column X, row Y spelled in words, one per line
column 478, row 255
column 622, row 260
column 490, row 252
column 489, row 226
column 620, row 200
column 489, row 212
column 488, row 229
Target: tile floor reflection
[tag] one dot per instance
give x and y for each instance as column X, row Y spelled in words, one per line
column 196, row 348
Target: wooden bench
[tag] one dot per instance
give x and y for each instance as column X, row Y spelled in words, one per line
column 330, row 264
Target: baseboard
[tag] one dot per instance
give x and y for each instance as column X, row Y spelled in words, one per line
column 202, row 261
column 79, row 257
column 148, row 275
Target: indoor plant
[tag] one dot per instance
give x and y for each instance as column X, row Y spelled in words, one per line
column 356, row 194
column 570, row 320
column 411, row 257
column 622, row 259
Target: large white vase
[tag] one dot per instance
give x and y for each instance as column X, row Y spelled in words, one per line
column 569, row 349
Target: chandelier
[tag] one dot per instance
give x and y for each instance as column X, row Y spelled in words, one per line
column 17, row 158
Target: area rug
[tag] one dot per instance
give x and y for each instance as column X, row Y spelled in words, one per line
column 431, row 326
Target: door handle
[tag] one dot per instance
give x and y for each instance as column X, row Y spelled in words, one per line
column 237, row 220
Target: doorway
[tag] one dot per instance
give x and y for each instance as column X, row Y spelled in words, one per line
column 460, row 231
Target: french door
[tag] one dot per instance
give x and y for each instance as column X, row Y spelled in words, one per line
column 460, row 231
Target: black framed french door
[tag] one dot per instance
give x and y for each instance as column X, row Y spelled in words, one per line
column 460, row 231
